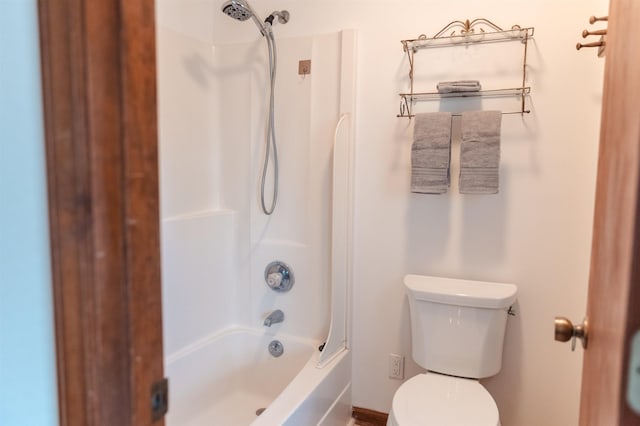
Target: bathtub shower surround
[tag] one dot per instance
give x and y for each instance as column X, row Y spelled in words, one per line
column 238, row 352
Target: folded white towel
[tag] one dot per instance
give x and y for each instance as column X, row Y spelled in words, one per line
column 430, row 153
column 480, row 152
column 459, row 86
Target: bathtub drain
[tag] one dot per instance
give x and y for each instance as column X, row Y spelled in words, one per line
column 276, row 348
column 259, row 411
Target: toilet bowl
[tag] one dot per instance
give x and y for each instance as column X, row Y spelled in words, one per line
column 457, row 335
column 432, row 399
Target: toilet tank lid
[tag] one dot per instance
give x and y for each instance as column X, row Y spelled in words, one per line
column 450, row 291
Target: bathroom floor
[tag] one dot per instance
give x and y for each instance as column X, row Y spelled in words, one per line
column 366, row 417
column 363, row 423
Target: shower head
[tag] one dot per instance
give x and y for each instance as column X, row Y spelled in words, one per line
column 241, row 11
column 237, row 10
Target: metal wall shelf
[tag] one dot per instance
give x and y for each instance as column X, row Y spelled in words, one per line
column 467, row 32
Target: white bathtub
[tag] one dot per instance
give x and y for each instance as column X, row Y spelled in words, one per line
column 224, row 379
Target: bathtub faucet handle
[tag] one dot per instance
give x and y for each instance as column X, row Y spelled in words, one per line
column 279, row 276
column 274, row 318
column 274, row 279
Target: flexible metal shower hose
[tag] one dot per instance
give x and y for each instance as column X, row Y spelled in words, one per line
column 270, row 140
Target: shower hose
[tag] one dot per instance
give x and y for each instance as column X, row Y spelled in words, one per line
column 270, row 140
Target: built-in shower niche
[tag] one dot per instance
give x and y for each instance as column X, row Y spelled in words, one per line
column 214, row 255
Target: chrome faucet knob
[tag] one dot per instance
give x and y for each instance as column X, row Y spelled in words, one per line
column 279, row 276
column 274, row 279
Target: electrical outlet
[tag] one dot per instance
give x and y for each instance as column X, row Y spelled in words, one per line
column 396, row 366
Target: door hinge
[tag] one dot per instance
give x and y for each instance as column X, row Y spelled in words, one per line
column 159, row 399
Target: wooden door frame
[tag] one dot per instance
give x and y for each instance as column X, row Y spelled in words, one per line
column 99, row 91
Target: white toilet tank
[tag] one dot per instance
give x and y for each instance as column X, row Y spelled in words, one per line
column 457, row 326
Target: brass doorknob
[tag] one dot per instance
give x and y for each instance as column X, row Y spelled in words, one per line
column 565, row 331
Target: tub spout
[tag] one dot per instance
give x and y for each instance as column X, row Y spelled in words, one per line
column 274, row 318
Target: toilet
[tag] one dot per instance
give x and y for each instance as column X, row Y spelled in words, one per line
column 457, row 332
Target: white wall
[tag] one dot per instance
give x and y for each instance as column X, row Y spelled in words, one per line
column 27, row 347
column 535, row 233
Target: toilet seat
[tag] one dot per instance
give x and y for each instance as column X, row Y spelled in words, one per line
column 433, row 399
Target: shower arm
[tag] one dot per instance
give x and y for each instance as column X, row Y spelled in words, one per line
column 265, row 26
column 283, row 17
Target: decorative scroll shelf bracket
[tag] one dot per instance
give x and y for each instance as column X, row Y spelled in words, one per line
column 466, row 32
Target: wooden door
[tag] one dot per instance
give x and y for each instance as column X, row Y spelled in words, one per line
column 99, row 91
column 614, row 285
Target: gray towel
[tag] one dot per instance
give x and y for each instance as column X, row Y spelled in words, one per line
column 459, row 86
column 430, row 153
column 480, row 152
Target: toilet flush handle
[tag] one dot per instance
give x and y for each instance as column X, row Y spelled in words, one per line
column 565, row 331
